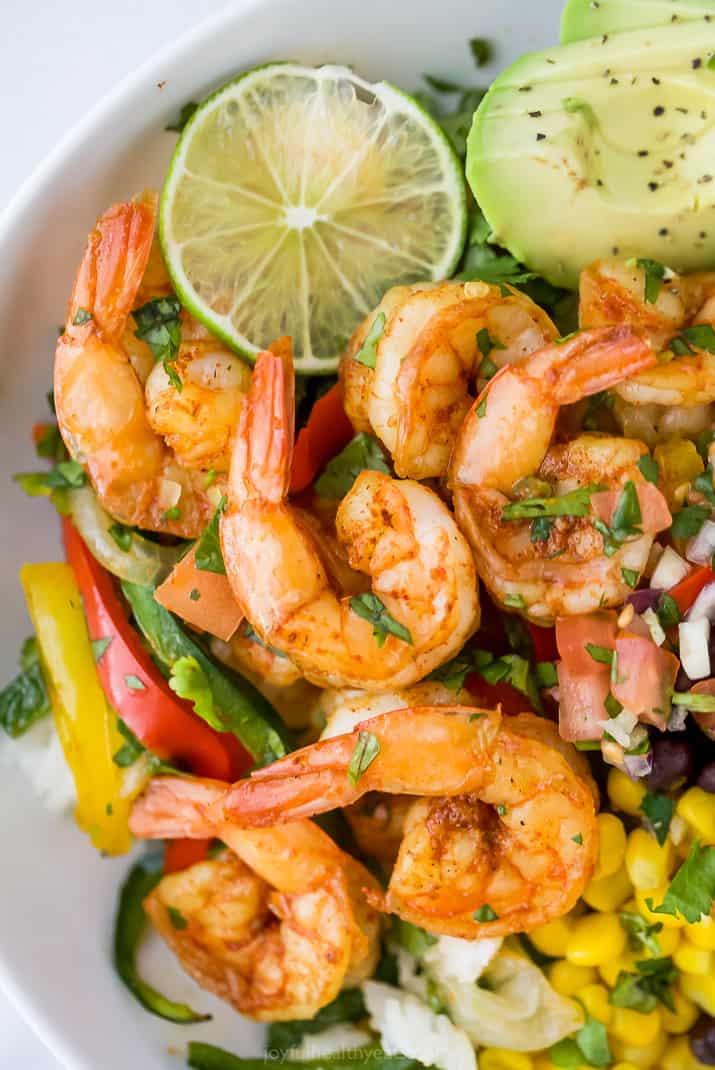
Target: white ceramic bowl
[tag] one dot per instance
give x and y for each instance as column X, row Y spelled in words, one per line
column 57, row 896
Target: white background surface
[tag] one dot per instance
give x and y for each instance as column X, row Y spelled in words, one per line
column 56, row 60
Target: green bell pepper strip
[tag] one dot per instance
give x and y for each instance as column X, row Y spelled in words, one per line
column 206, row 1057
column 238, row 706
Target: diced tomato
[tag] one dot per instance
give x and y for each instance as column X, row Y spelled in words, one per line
column 644, row 678
column 180, row 854
column 543, row 640
column 655, row 514
column 164, row 723
column 573, row 633
column 203, row 599
column 327, row 431
column 685, row 592
column 582, row 713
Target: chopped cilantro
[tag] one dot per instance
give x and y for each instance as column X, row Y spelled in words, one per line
column 366, row 751
column 50, row 444
column 367, row 353
column 482, row 408
column 515, row 601
column 612, row 706
column 159, row 325
column 630, row 577
column 688, row 521
column 545, row 673
column 692, row 890
column 122, row 535
column 589, row 1045
column 704, row 484
column 173, row 513
column 99, row 647
column 481, row 50
column 208, row 556
column 659, row 810
column 186, row 113
column 486, row 343
column 575, row 503
column 485, row 913
column 648, row 468
column 338, row 476
column 540, row 529
column 194, row 594
column 578, row 838
column 133, row 682
column 370, row 608
column 667, row 611
column 602, row 654
column 654, row 275
column 25, row 699
column 81, row 317
column 411, row 937
column 642, row 936
column 643, row 990
column 177, row 919
column 700, row 336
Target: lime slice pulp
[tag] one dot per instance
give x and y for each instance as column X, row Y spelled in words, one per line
column 296, row 197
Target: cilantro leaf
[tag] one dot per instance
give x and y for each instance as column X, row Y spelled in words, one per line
column 50, row 444
column 642, row 936
column 545, row 673
column 177, row 919
column 370, row 608
column 65, row 475
column 643, row 990
column 486, row 343
column 704, row 484
column 363, row 451
column 186, row 113
column 208, row 556
column 485, row 914
column 159, row 325
column 122, row 535
column 700, row 336
column 453, row 673
column 692, row 889
column 188, row 680
column 688, row 521
column 575, row 503
column 25, row 699
column 624, row 522
column 654, row 275
column 366, row 751
column 659, row 810
column 367, row 353
column 99, row 647
column 630, row 577
column 602, row 654
column 130, row 750
column 667, row 611
column 648, row 467
column 589, row 1045
column 540, row 529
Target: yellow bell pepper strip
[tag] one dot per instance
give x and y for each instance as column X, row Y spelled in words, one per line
column 86, row 725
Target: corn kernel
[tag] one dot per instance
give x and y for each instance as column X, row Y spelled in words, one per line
column 609, row 970
column 678, row 462
column 608, row 893
column 683, row 1018
column 648, row 863
column 625, row 794
column 567, row 978
column 668, row 921
column 668, row 940
column 628, row 1025
column 611, row 845
column 678, row 1056
column 702, row 933
column 552, row 938
column 692, row 959
column 622, row 1066
column 644, row 1057
column 595, row 939
column 700, row 988
column 595, row 1000
column 541, row 1061
column 501, row 1059
column 697, row 807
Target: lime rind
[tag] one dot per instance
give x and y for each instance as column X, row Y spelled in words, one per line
column 377, row 198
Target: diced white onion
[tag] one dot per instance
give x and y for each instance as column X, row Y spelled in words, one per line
column 638, row 765
column 678, row 718
column 409, row 1027
column 704, row 604
column 701, row 547
column 168, row 494
column 654, row 626
column 678, row 829
column 694, row 639
column 671, row 569
column 461, row 960
column 620, row 727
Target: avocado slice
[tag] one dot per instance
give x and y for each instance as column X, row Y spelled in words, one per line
column 602, row 148
column 593, row 18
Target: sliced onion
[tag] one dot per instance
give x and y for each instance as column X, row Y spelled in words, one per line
column 678, row 719
column 671, row 569
column 704, row 605
column 638, row 765
column 701, row 547
column 655, row 628
column 694, row 639
column 145, row 562
column 620, row 727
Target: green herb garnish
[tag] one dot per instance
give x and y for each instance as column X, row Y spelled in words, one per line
column 208, row 556
column 366, row 751
column 367, row 353
column 159, row 325
column 370, row 608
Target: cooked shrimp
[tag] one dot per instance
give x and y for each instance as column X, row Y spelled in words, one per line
column 613, row 292
column 276, row 925
column 398, row 533
column 434, row 341
column 506, row 438
column 503, row 820
column 100, row 369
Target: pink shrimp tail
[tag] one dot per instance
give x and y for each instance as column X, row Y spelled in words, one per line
column 174, row 807
column 598, row 359
column 263, row 450
column 112, row 268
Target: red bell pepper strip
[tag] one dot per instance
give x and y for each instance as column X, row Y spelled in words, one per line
column 543, row 641
column 180, row 854
column 162, row 722
column 685, row 592
column 327, row 431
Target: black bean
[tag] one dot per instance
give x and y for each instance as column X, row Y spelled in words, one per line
column 706, row 778
column 702, row 1040
column 673, row 762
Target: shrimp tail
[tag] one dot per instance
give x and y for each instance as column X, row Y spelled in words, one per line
column 112, row 268
column 596, row 360
column 263, row 450
column 174, row 807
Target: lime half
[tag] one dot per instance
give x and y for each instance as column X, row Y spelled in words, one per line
column 296, row 196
